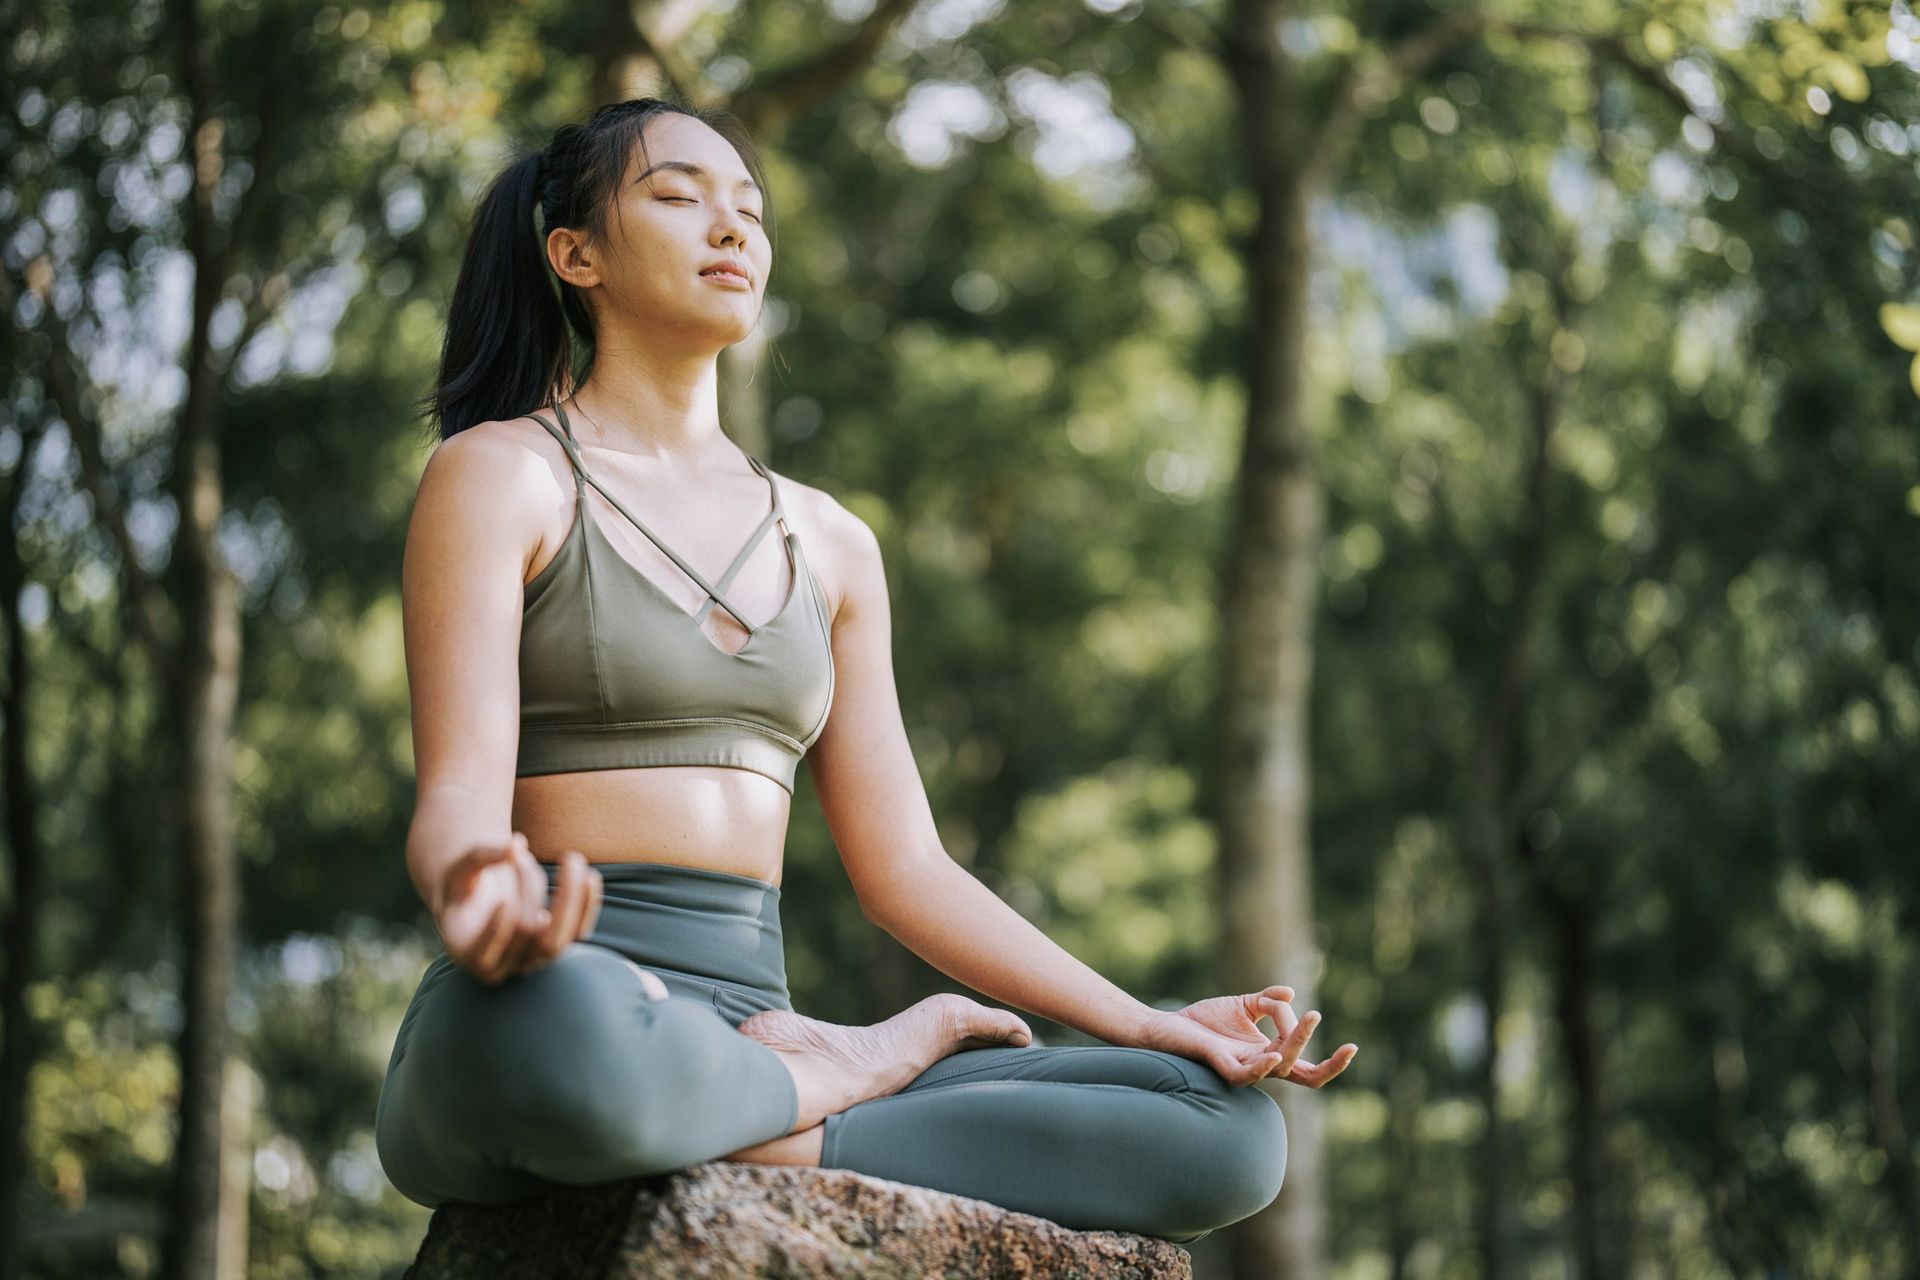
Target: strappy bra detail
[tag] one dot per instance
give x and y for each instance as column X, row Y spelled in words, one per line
column 615, row 674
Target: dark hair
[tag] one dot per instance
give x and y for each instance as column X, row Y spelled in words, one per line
column 507, row 349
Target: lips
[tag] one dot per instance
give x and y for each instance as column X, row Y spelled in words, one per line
column 727, row 268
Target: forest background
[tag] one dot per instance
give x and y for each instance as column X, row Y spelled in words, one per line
column 1420, row 502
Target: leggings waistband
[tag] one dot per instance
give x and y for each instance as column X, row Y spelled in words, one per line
column 698, row 929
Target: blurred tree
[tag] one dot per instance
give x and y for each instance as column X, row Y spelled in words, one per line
column 1012, row 327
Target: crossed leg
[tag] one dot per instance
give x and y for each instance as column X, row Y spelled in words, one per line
column 576, row 1074
column 572, row 1074
column 1094, row 1137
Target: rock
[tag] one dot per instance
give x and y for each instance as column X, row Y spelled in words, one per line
column 725, row 1219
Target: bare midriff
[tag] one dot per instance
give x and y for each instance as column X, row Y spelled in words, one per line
column 708, row 816
column 719, row 819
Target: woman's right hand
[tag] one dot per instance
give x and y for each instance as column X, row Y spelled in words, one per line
column 492, row 909
column 1224, row 1033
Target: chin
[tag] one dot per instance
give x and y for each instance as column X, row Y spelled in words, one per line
column 734, row 328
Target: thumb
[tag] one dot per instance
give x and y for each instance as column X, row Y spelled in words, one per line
column 1259, row 1066
column 461, row 871
column 1252, row 1063
column 1234, row 1069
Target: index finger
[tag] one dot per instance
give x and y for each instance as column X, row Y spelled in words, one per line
column 1315, row 1074
column 596, row 894
column 570, row 901
column 1280, row 1010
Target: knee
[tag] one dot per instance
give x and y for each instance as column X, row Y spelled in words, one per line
column 553, row 1044
column 621, row 1073
column 1253, row 1153
column 1242, row 1168
column 1267, row 1161
column 572, row 1073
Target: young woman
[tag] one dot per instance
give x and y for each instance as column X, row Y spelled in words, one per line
column 606, row 739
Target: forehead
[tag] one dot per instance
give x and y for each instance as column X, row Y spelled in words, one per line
column 679, row 144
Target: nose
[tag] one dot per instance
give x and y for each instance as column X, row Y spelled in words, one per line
column 734, row 228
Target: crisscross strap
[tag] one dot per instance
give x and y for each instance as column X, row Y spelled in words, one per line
column 753, row 541
column 582, row 475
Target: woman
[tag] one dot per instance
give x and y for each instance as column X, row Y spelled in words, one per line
column 606, row 742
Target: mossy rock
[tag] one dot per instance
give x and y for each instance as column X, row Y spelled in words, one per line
column 727, row 1219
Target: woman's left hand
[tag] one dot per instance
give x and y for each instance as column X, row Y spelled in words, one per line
column 1224, row 1033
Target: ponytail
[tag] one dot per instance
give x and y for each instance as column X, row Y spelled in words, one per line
column 506, row 346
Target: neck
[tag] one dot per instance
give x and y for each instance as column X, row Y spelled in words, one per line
column 655, row 406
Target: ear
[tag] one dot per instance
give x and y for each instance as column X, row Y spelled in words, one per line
column 572, row 257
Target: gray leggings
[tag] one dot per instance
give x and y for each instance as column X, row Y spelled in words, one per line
column 572, row 1075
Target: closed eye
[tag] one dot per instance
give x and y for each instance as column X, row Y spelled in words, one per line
column 691, row 200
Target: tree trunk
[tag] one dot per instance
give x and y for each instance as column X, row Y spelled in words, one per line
column 1490, row 956
column 202, row 668
column 1406, row 1091
column 1267, row 614
column 20, row 932
column 207, row 692
column 1595, row 1255
column 1488, row 825
column 236, row 1163
column 1882, row 1069
column 1293, row 140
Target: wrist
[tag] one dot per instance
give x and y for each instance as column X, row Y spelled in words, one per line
column 1133, row 1021
column 429, row 874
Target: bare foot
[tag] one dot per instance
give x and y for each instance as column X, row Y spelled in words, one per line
column 835, row 1066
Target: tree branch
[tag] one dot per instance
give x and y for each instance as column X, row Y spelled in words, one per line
column 1373, row 76
column 145, row 599
column 771, row 101
column 1791, row 190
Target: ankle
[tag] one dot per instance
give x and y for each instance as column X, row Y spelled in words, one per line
column 801, row 1148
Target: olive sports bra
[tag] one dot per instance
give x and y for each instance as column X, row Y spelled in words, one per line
column 615, row 675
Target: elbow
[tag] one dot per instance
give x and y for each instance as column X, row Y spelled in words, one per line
column 874, row 904
column 907, row 881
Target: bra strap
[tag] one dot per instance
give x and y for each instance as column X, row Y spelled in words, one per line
column 583, row 477
column 699, row 580
column 573, row 456
column 778, row 513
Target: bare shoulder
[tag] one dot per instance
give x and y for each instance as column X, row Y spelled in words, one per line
column 507, row 453
column 506, row 477
column 842, row 548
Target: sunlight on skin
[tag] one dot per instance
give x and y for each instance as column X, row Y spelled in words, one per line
column 1224, row 1032
column 801, row 1148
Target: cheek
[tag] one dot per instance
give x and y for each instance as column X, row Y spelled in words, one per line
column 641, row 240
column 647, row 259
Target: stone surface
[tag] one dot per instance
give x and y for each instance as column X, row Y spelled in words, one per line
column 727, row 1219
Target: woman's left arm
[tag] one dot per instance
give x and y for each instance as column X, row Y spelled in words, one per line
column 876, row 807
column 877, row 810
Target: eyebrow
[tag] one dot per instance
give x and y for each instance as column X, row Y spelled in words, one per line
column 688, row 167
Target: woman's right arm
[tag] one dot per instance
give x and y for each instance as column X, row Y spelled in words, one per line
column 470, row 540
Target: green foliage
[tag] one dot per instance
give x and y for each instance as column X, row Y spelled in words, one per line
column 1011, row 320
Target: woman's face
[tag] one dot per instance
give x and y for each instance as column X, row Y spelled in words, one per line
column 684, row 204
